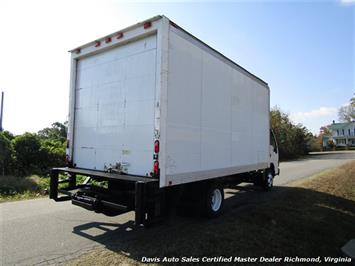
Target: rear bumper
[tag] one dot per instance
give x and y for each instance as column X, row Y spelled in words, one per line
column 105, row 175
column 126, row 192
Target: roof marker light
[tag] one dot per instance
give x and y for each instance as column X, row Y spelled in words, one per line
column 108, row 40
column 97, row 43
column 77, row 51
column 119, row 35
column 147, row 25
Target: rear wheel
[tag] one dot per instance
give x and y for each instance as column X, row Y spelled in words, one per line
column 214, row 199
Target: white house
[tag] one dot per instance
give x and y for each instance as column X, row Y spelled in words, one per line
column 343, row 134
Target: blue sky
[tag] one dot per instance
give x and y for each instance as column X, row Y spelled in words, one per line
column 304, row 50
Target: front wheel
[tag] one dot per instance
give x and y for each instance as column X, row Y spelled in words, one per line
column 214, row 200
column 267, row 180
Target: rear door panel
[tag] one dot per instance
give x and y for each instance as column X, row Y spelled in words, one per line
column 114, row 108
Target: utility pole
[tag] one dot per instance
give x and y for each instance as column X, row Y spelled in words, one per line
column 1, row 110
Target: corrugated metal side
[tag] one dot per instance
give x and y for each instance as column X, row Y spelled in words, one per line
column 217, row 117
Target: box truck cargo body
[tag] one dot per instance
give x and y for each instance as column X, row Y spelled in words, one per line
column 154, row 109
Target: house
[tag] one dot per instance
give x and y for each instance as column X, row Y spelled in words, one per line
column 342, row 135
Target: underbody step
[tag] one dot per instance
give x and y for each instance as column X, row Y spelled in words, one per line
column 94, row 204
column 84, row 201
column 82, row 204
column 112, row 205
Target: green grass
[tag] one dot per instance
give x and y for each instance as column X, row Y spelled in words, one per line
column 29, row 187
column 19, row 188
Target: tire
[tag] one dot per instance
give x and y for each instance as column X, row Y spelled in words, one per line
column 267, row 181
column 213, row 201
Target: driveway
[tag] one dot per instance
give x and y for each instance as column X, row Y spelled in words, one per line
column 313, row 164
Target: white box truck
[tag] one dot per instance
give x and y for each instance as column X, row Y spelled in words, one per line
column 158, row 116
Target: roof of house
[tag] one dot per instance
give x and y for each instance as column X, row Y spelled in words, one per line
column 336, row 126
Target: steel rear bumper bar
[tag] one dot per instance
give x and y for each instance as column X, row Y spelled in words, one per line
column 105, row 175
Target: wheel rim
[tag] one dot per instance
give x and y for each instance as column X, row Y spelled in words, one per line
column 216, row 200
column 270, row 180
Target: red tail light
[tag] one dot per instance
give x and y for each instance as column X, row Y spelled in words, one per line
column 97, row 43
column 156, row 168
column 156, row 146
column 108, row 40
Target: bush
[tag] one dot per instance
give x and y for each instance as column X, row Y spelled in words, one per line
column 14, row 187
column 315, row 144
column 27, row 154
column 5, row 154
column 52, row 154
column 33, row 153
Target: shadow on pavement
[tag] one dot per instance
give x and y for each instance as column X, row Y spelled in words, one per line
column 288, row 221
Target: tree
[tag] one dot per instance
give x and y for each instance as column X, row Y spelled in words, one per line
column 53, row 144
column 58, row 131
column 8, row 135
column 26, row 151
column 32, row 153
column 293, row 140
column 347, row 113
column 52, row 153
column 324, row 130
column 5, row 153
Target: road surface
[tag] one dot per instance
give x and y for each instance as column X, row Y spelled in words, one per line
column 315, row 163
column 45, row 232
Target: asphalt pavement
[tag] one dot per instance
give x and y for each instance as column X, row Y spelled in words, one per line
column 43, row 232
column 314, row 163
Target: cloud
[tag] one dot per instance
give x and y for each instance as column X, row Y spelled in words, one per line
column 347, row 2
column 302, row 117
column 315, row 119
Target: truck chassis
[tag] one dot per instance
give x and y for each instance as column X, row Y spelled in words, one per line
column 125, row 193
